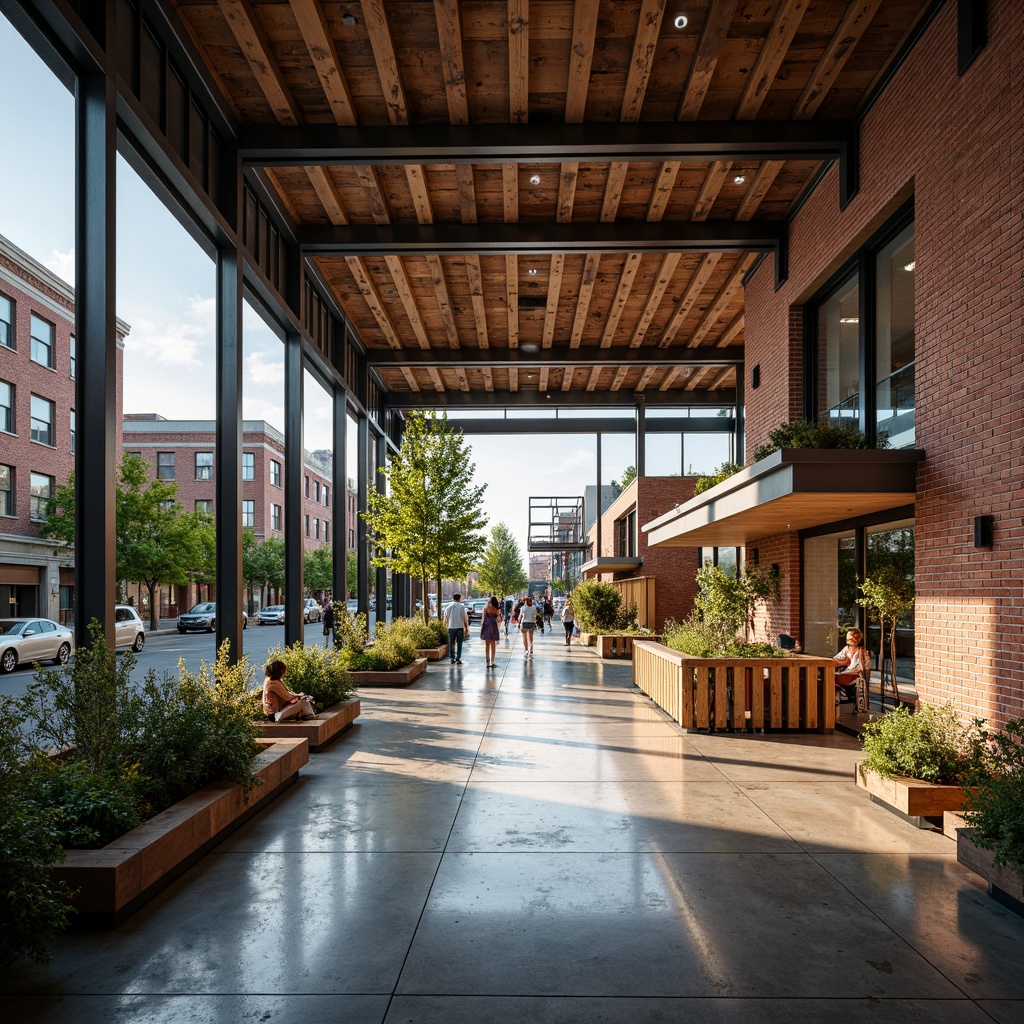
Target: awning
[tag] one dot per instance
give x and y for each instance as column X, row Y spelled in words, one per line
column 609, row 563
column 794, row 489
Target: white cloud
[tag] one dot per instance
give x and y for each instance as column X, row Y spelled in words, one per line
column 174, row 341
column 62, row 264
column 263, row 368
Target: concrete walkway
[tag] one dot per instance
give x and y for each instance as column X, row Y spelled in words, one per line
column 540, row 843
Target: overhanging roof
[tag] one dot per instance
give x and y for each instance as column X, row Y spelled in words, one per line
column 608, row 563
column 794, row 489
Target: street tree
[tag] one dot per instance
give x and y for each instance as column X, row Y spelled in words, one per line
column 318, row 569
column 428, row 519
column 262, row 563
column 501, row 571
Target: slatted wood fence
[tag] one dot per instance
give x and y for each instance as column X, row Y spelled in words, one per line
column 728, row 694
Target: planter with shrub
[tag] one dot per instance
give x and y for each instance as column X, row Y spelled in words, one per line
column 921, row 763
column 391, row 659
column 429, row 639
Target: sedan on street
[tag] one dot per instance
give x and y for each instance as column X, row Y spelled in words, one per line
column 272, row 615
column 312, row 612
column 203, row 616
column 23, row 641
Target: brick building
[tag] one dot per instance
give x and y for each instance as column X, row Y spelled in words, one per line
column 182, row 451
column 37, row 430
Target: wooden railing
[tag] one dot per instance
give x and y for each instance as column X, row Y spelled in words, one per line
column 639, row 591
column 718, row 694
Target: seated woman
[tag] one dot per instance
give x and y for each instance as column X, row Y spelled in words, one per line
column 279, row 703
column 851, row 685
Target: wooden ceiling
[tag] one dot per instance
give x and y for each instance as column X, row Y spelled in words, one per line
column 494, row 315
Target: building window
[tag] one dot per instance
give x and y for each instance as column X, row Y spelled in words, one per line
column 316, row 528
column 205, row 505
column 275, row 517
column 248, row 466
column 275, row 473
column 6, row 407
column 72, row 431
column 248, row 514
column 168, row 505
column 41, row 490
column 6, row 322
column 6, row 491
column 839, row 354
column 327, row 532
column 307, row 526
column 165, row 465
column 74, row 356
column 42, row 342
column 204, row 465
column 895, row 264
column 307, row 486
column 316, row 490
column 42, row 420
column 327, row 496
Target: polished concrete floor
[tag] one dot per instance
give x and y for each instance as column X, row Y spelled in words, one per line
column 540, row 843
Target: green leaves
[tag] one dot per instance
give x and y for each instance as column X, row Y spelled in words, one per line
column 501, row 571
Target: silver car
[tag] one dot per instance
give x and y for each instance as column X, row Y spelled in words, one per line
column 312, row 612
column 128, row 628
column 203, row 616
column 29, row 640
column 272, row 615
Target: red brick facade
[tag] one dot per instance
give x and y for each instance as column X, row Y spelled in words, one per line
column 954, row 144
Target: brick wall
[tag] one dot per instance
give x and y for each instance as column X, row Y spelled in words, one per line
column 955, row 144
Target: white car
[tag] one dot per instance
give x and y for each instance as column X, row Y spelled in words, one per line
column 311, row 611
column 129, row 630
column 25, row 640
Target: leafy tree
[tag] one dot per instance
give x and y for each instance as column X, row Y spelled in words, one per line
column 501, row 571
column 262, row 562
column 889, row 593
column 352, row 571
column 319, row 568
column 427, row 520
column 628, row 476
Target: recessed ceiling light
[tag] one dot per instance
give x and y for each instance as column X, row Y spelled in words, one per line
column 681, row 21
column 910, row 266
column 348, row 19
column 849, row 319
column 532, row 271
column 739, row 179
column 534, row 179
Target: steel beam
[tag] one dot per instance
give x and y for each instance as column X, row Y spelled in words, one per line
column 339, row 475
column 294, row 533
column 720, row 399
column 362, row 540
column 641, row 437
column 594, row 425
column 558, row 356
column 540, row 238
column 648, row 142
column 380, row 583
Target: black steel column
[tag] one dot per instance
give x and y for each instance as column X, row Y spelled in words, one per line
column 362, row 541
column 96, row 338
column 597, row 545
column 228, row 448
column 294, row 520
column 339, row 553
column 739, row 424
column 380, row 584
column 641, row 437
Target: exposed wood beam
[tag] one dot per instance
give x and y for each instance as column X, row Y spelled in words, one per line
column 729, row 334
column 722, row 377
column 369, row 292
column 713, row 182
column 283, row 195
column 410, row 379
column 370, row 183
column 464, row 422
column 327, row 194
column 702, row 70
column 476, row 295
column 662, row 191
column 377, row 28
column 488, row 378
column 510, row 192
column 852, row 27
column 581, row 56
column 595, row 373
column 462, row 379
column 567, row 376
column 644, row 44
column 697, row 376
column 721, row 301
column 420, row 193
column 690, row 296
column 665, row 275
column 533, row 398
column 670, row 378
column 613, row 190
column 435, row 376
column 324, row 55
column 643, row 142
column 512, row 299
column 518, row 61
column 534, row 238
column 449, row 36
column 513, row 379
column 543, row 385
column 404, row 289
column 437, row 279
column 256, row 50
column 766, row 174
column 567, row 178
column 585, row 358
column 554, row 289
column 629, row 269
column 587, row 279
column 645, row 378
column 769, row 60
column 620, row 376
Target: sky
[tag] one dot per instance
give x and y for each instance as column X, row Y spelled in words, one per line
column 166, row 293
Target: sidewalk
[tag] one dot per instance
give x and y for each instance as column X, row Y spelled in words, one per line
column 539, row 843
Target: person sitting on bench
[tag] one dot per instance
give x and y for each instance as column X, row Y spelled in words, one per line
column 855, row 658
column 279, row 703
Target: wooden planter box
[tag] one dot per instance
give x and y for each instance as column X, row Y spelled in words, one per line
column 1004, row 883
column 115, row 881
column 588, row 639
column 620, row 645
column 328, row 725
column 433, row 653
column 911, row 797
column 399, row 677
column 729, row 694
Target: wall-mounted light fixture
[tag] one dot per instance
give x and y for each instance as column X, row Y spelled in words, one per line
column 984, row 531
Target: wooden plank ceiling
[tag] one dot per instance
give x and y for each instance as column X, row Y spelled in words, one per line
column 433, row 62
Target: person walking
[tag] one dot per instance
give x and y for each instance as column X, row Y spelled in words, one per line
column 527, row 624
column 489, row 632
column 508, row 614
column 568, row 620
column 539, row 605
column 549, row 613
column 328, row 623
column 456, row 618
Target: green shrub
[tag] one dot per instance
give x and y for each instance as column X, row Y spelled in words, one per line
column 317, row 671
column 805, row 434
column 932, row 745
column 33, row 907
column 598, row 606
column 417, row 632
column 997, row 815
column 702, row 638
column 350, row 631
column 724, row 471
column 440, row 632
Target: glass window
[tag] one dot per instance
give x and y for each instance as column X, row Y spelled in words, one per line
column 894, row 340
column 316, row 490
column 6, row 407
column 306, row 486
column 6, row 491
column 248, row 465
column 204, row 465
column 168, row 505
column 40, row 492
column 275, row 473
column 307, row 526
column 74, row 356
column 704, row 453
column 205, row 505
column 165, row 465
column 892, row 545
column 42, row 341
column 248, row 513
column 839, row 355
column 275, row 517
column 72, row 431
column 42, row 420
column 327, row 496
column 829, row 592
column 316, row 528
column 6, row 322
column 327, row 532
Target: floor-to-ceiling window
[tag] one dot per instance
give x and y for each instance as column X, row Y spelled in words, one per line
column 839, row 354
column 895, row 266
column 892, row 544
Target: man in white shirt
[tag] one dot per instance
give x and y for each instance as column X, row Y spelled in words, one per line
column 456, row 618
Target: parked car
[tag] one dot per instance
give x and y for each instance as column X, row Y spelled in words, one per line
column 129, row 630
column 203, row 616
column 272, row 615
column 312, row 612
column 28, row 640
column 476, row 607
column 352, row 605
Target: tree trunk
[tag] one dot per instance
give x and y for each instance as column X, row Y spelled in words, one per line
column 154, row 607
column 426, row 599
